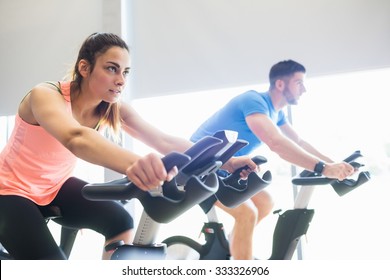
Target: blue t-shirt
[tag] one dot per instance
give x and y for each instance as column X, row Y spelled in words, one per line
column 232, row 117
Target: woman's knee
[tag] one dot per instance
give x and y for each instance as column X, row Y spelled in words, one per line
column 121, row 224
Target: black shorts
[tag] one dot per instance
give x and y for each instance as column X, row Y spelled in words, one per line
column 24, row 232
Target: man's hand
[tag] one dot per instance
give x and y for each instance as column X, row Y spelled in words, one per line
column 339, row 171
column 242, row 161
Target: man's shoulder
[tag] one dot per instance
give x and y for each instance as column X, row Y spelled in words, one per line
column 252, row 94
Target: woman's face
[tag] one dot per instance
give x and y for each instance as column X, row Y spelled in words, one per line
column 108, row 78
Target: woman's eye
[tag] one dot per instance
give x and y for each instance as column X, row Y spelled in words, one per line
column 111, row 69
column 126, row 73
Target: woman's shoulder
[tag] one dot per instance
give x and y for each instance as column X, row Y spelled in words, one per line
column 63, row 88
column 49, row 91
column 40, row 94
column 54, row 85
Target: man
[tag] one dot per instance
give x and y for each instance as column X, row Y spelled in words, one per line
column 259, row 118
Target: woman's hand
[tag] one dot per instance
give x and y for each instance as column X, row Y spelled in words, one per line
column 148, row 173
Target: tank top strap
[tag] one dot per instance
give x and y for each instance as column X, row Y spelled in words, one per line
column 63, row 88
column 57, row 86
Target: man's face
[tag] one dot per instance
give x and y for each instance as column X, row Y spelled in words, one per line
column 293, row 88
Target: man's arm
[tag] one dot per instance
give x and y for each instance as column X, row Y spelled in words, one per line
column 262, row 126
column 290, row 133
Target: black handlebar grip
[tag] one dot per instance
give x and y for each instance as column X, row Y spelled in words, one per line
column 256, row 159
column 235, row 176
column 349, row 159
column 123, row 189
column 175, row 159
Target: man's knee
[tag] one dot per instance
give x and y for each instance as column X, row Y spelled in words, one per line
column 268, row 203
column 246, row 212
column 264, row 204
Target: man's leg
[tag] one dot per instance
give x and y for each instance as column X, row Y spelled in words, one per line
column 246, row 217
column 264, row 204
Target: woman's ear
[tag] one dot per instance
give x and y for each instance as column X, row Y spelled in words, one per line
column 84, row 68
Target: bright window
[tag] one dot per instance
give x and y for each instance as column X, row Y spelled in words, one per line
column 338, row 114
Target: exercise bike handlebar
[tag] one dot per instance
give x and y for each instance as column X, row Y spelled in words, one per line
column 349, row 159
column 123, row 189
column 172, row 201
column 186, row 189
column 235, row 176
column 306, row 178
column 233, row 190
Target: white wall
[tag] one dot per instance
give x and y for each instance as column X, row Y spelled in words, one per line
column 183, row 46
column 194, row 45
column 40, row 40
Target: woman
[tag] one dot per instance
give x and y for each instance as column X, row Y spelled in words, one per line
column 57, row 123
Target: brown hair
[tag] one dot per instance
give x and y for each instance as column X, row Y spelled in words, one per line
column 94, row 45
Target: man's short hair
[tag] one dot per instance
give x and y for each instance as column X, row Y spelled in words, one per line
column 283, row 69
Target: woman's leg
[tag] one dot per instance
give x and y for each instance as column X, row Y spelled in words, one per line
column 109, row 218
column 24, row 232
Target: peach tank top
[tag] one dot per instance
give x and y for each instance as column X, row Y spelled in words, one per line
column 33, row 164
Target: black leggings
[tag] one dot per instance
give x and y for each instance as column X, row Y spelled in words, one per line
column 24, row 232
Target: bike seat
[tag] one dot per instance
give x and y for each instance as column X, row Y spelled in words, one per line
column 50, row 212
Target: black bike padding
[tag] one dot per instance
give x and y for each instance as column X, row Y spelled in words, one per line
column 233, row 190
column 345, row 186
column 233, row 194
column 200, row 182
column 291, row 225
column 161, row 209
column 123, row 189
column 216, row 153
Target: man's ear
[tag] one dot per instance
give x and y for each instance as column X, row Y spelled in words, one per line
column 279, row 84
column 84, row 68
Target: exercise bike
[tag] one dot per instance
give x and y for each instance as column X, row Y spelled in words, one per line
column 290, row 227
column 195, row 182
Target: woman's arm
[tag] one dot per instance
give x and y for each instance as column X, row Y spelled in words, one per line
column 150, row 135
column 44, row 106
column 165, row 143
